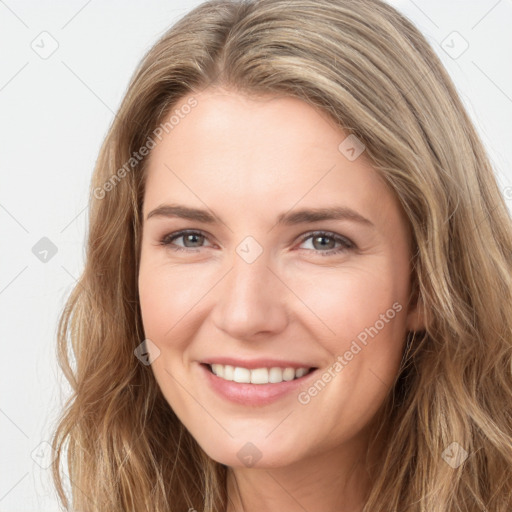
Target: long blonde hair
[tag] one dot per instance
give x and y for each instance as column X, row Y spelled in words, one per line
column 374, row 73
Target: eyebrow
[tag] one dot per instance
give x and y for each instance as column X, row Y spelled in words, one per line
column 288, row 219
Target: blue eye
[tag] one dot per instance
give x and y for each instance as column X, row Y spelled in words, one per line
column 189, row 235
column 346, row 244
column 197, row 237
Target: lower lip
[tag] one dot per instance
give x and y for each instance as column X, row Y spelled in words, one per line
column 252, row 394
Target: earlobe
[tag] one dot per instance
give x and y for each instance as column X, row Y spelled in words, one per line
column 416, row 315
column 415, row 320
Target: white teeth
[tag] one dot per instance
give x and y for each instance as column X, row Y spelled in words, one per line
column 242, row 375
column 272, row 375
column 288, row 374
column 218, row 369
column 228, row 371
column 275, row 375
column 259, row 376
column 300, row 372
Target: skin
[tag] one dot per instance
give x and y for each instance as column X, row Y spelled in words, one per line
column 248, row 160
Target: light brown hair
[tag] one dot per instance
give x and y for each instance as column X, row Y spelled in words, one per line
column 374, row 73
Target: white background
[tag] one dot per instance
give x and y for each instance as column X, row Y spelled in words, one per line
column 54, row 115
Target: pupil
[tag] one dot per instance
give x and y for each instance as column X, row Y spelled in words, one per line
column 322, row 238
column 188, row 237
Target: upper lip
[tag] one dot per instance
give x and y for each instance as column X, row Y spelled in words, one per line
column 256, row 363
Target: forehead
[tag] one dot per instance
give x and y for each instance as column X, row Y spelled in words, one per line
column 236, row 153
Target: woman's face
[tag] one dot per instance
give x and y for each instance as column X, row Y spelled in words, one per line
column 296, row 256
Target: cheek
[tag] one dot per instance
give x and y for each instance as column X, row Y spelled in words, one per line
column 167, row 296
column 344, row 302
column 363, row 329
column 155, row 302
column 362, row 313
column 163, row 303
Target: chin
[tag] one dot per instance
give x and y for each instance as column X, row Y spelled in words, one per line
column 252, row 454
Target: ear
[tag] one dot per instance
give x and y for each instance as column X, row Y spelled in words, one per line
column 415, row 320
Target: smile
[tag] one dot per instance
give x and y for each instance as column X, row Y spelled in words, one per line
column 257, row 386
column 272, row 375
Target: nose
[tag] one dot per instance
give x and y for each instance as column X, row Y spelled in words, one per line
column 251, row 300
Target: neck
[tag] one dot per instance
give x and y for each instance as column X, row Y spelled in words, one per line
column 335, row 480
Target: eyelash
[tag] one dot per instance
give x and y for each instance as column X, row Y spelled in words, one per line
column 168, row 239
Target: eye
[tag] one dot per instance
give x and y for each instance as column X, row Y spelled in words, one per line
column 193, row 240
column 318, row 240
column 188, row 236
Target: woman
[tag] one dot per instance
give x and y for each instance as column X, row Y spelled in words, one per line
column 224, row 359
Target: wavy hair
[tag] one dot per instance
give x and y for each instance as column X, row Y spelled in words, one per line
column 374, row 73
